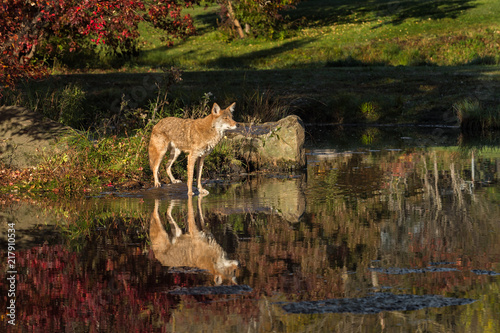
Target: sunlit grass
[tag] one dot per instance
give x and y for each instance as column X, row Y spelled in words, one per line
column 372, row 33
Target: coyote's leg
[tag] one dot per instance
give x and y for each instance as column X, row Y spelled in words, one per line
column 174, row 153
column 159, row 238
column 190, row 172
column 156, row 153
column 200, row 169
column 177, row 232
column 200, row 212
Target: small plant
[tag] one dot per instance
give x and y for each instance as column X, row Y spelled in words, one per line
column 222, row 159
column 466, row 109
column 370, row 111
column 370, row 136
column 71, row 106
column 201, row 109
column 263, row 107
column 474, row 117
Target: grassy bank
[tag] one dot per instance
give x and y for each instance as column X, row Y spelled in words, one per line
column 106, row 164
column 113, row 153
column 123, row 101
column 474, row 118
column 327, row 33
column 341, row 62
column 344, row 33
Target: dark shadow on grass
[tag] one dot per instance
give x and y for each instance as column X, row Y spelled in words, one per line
column 327, row 12
column 207, row 21
column 326, row 93
column 247, row 60
column 425, row 9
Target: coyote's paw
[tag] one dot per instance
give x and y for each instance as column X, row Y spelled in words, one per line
column 176, row 181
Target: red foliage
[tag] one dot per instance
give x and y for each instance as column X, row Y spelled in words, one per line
column 55, row 289
column 31, row 28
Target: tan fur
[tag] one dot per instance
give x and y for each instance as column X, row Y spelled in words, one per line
column 197, row 137
column 193, row 249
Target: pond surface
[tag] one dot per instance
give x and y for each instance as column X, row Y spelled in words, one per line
column 385, row 231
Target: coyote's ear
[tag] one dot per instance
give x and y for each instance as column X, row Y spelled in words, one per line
column 216, row 109
column 231, row 107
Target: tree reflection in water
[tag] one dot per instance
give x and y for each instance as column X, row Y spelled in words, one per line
column 412, row 222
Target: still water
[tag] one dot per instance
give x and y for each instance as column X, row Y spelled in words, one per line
column 384, row 232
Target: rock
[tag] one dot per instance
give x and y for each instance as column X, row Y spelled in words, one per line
column 273, row 145
column 263, row 194
column 376, row 303
column 25, row 135
column 131, row 184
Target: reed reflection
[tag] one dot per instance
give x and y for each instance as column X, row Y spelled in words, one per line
column 195, row 248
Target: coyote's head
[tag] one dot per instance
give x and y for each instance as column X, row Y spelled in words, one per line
column 194, row 248
column 226, row 270
column 223, row 119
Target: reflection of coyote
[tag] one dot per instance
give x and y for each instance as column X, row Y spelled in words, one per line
column 194, row 136
column 193, row 249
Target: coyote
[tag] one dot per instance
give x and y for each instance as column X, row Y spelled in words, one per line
column 193, row 249
column 197, row 137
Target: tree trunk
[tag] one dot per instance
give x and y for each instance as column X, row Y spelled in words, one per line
column 235, row 21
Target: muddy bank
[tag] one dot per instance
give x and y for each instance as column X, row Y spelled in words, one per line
column 27, row 136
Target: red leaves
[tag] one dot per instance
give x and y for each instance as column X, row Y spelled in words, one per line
column 64, row 25
column 59, row 288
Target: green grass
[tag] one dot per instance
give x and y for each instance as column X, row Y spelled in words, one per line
column 106, row 163
column 313, row 68
column 86, row 165
column 420, row 94
column 343, row 61
column 476, row 118
column 114, row 153
column 329, row 32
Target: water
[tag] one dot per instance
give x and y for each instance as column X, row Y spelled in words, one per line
column 383, row 232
